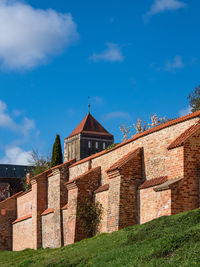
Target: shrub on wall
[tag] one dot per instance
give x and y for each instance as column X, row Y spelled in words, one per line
column 26, row 185
column 111, row 146
column 89, row 215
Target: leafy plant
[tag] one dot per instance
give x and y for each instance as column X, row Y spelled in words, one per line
column 89, row 214
column 40, row 163
column 194, row 99
column 111, row 146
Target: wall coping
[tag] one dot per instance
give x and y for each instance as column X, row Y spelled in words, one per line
column 22, row 219
column 182, row 139
column 24, row 193
column 153, row 182
column 65, row 207
column 12, row 197
column 102, row 188
column 82, row 175
column 167, row 185
column 122, row 161
column 47, row 211
column 48, row 172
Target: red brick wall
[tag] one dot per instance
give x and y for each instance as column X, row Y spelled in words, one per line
column 175, row 162
column 122, row 196
column 188, row 191
column 24, row 205
column 102, row 198
column 69, row 235
column 86, row 187
column 154, row 204
column 8, row 213
column 48, row 231
column 22, row 235
column 39, row 205
column 79, row 190
column 122, row 204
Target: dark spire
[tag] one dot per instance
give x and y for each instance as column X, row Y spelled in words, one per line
column 89, row 106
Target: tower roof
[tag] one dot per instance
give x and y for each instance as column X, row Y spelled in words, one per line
column 90, row 126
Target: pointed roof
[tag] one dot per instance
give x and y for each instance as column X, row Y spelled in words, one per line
column 89, row 126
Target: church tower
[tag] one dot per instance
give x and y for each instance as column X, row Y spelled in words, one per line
column 88, row 138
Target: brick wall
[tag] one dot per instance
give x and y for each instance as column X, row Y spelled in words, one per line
column 188, row 197
column 65, row 223
column 123, row 205
column 22, row 235
column 69, row 220
column 57, row 195
column 122, row 196
column 102, row 198
column 8, row 213
column 157, row 161
column 175, row 162
column 39, row 204
column 78, row 190
column 24, row 204
column 48, row 231
column 154, row 204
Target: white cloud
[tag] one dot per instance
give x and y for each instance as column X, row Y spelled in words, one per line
column 16, row 155
column 17, row 112
column 184, row 112
column 28, row 36
column 7, row 122
column 27, row 126
column 117, row 115
column 160, row 6
column 112, row 53
column 176, row 63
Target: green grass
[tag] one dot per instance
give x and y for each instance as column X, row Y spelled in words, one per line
column 167, row 241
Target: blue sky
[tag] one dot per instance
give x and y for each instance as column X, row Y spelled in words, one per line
column 133, row 58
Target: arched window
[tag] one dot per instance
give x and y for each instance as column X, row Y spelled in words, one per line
column 96, row 145
column 89, row 144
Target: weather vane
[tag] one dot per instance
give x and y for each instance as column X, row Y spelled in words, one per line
column 89, row 106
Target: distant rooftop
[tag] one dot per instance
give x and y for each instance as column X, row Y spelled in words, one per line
column 89, row 125
column 13, row 171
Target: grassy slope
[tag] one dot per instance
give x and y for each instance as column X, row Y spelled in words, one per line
column 167, row 241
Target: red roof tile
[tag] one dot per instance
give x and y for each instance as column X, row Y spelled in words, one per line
column 26, row 192
column 89, row 126
column 153, row 182
column 184, row 136
column 124, row 160
column 65, row 207
column 13, row 196
column 135, row 137
column 22, row 219
column 47, row 211
column 65, row 163
column 168, row 184
column 82, row 175
column 102, row 188
column 49, row 172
